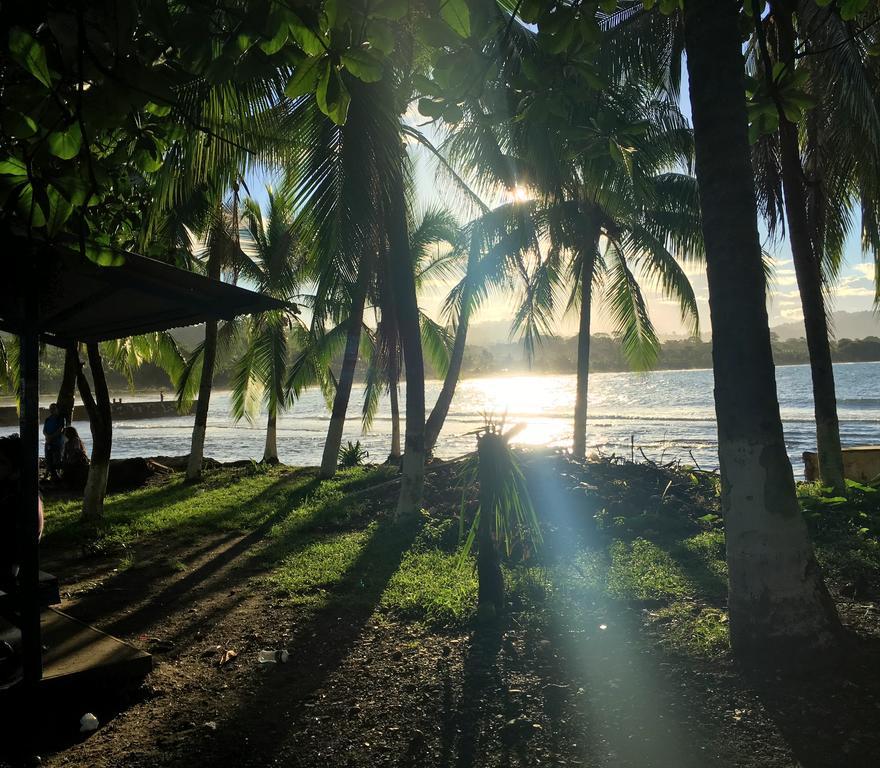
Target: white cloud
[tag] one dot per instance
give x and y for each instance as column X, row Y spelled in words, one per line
column 854, row 286
column 866, row 270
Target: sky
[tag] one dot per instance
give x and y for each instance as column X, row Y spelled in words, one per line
column 854, row 291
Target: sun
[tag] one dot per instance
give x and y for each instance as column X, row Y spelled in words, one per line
column 520, row 194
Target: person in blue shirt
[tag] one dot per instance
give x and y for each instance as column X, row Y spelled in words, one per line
column 53, row 431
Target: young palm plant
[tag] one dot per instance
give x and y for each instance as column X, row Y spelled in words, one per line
column 505, row 519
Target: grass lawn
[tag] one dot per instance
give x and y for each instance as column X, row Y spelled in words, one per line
column 622, row 615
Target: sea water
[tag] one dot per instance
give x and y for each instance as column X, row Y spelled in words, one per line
column 665, row 414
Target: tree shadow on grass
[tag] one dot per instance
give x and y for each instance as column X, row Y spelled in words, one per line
column 116, row 592
column 229, row 564
column 317, row 648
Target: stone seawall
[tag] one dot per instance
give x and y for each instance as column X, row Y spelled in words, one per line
column 120, row 412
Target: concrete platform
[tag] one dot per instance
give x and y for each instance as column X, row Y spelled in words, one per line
column 860, row 463
column 76, row 654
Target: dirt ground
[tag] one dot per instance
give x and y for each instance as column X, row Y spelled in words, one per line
column 363, row 689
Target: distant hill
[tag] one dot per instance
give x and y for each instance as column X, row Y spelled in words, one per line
column 847, row 325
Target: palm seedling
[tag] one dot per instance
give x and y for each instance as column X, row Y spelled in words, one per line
column 505, row 520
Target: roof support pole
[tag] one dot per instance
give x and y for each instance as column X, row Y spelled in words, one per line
column 29, row 573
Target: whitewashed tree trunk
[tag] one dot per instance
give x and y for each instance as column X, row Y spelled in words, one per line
column 101, row 426
column 778, row 602
column 270, row 452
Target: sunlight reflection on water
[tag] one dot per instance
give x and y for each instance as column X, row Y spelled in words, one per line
column 666, row 413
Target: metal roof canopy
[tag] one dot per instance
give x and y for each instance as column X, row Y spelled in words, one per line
column 81, row 301
column 59, row 296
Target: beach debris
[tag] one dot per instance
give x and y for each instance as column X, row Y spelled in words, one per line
column 273, row 657
column 88, row 722
column 228, row 655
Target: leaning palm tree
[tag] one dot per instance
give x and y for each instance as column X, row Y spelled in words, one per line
column 274, row 267
column 219, row 249
column 433, row 236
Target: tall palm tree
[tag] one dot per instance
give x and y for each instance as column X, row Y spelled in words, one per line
column 814, row 121
column 778, row 602
column 334, row 187
column 220, row 248
column 275, row 268
column 816, row 133
column 610, row 201
column 434, row 230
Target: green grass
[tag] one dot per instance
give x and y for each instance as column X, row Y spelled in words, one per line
column 225, row 500
column 319, row 544
column 305, row 576
column 643, row 571
column 430, row 587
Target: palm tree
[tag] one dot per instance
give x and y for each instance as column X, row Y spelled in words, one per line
column 334, row 186
column 613, row 182
column 275, row 268
column 220, row 249
column 812, row 106
column 435, row 227
column 350, row 187
column 777, row 601
column 812, row 125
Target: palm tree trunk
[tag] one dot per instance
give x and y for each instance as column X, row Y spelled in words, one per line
column 809, row 279
column 406, row 308
column 101, row 425
column 444, row 400
column 330, row 459
column 270, row 452
column 778, row 602
column 66, row 392
column 206, row 383
column 395, row 422
column 490, row 579
column 579, row 448
column 392, row 344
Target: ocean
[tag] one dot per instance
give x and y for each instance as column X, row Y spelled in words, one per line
column 667, row 414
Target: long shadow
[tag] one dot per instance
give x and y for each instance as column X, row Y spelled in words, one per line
column 481, row 679
column 829, row 716
column 131, row 581
column 316, row 650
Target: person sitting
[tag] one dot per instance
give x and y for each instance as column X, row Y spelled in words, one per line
column 53, row 429
column 74, row 461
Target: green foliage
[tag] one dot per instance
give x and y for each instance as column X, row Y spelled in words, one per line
column 429, row 587
column 352, row 455
column 504, row 497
